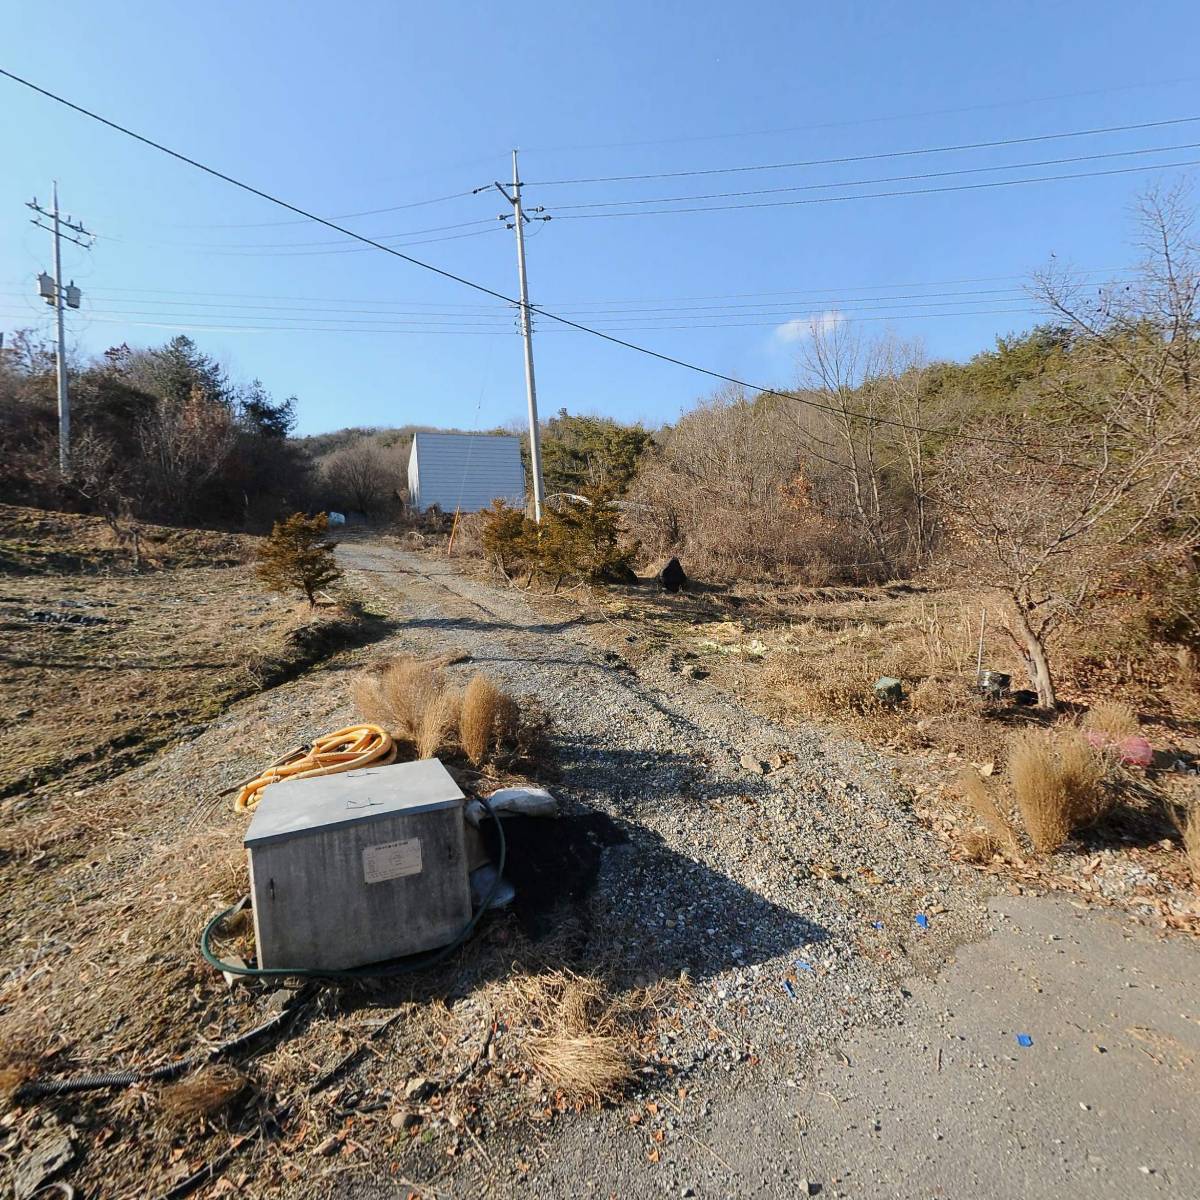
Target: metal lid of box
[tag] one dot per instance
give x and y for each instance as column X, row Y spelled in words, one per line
column 295, row 807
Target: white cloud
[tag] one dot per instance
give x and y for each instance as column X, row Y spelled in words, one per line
column 801, row 327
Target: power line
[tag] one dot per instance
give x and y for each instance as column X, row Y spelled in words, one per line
column 622, row 316
column 809, row 187
column 616, row 341
column 935, row 112
column 826, row 162
column 830, row 295
column 958, row 187
column 432, row 325
column 902, row 301
column 383, row 237
column 369, row 212
column 451, row 237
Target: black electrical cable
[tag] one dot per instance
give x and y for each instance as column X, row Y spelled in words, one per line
column 888, row 195
column 487, row 291
column 813, row 187
column 368, row 212
column 857, row 122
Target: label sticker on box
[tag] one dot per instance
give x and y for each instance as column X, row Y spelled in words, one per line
column 391, row 860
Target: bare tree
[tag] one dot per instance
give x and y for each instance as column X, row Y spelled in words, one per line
column 1100, row 476
column 363, row 477
column 185, row 444
column 874, row 408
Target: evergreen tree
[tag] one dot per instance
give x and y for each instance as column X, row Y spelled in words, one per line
column 295, row 556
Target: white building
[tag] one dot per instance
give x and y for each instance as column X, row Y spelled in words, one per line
column 465, row 471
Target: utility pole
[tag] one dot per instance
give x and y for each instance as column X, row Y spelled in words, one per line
column 535, row 438
column 55, row 294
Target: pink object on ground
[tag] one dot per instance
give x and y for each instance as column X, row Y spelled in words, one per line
column 1135, row 751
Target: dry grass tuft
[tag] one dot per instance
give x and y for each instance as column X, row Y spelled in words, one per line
column 979, row 846
column 438, row 720
column 587, row 1068
column 413, row 700
column 203, row 1095
column 998, row 825
column 477, row 721
column 939, row 697
column 1058, row 782
column 397, row 694
column 1190, row 830
column 832, row 684
column 580, row 1045
column 1112, row 720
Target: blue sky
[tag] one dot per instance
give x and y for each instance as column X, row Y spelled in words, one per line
column 346, row 108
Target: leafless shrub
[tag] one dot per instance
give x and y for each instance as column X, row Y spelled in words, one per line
column 1058, row 783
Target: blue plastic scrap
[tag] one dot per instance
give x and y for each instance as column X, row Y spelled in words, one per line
column 1023, row 1039
column 922, row 921
column 791, row 991
column 801, row 965
column 876, row 924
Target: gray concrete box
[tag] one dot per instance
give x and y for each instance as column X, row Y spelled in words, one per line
column 359, row 867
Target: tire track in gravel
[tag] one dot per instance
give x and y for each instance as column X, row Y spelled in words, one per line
column 787, row 899
column 812, row 854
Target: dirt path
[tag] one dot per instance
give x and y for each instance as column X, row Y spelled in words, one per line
column 822, row 1034
column 859, row 1052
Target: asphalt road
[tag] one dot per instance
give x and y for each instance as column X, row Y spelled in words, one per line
column 1104, row 1101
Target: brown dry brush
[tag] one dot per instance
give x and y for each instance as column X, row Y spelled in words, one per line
column 477, row 720
column 1057, row 785
column 1112, row 720
column 396, row 693
column 414, row 701
column 1189, row 832
column 1058, row 782
column 582, row 1042
column 438, row 723
column 998, row 833
column 203, row 1095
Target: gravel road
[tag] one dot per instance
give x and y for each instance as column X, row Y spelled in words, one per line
column 791, row 899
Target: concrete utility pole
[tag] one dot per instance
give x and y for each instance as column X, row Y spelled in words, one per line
column 54, row 293
column 535, row 437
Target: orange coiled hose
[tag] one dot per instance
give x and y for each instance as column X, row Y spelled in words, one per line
column 347, row 749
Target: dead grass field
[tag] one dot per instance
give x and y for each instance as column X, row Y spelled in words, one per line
column 109, row 875
column 814, row 654
column 102, row 665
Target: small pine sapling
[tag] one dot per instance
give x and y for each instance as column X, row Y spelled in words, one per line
column 297, row 558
